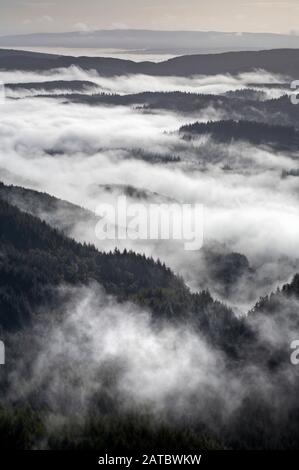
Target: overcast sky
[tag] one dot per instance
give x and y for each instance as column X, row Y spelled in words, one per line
column 26, row 16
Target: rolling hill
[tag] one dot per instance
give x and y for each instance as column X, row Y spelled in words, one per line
column 276, row 61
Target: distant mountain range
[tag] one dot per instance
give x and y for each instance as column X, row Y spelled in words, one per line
column 276, row 61
column 174, row 42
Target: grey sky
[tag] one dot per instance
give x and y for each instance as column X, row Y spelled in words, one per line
column 26, row 16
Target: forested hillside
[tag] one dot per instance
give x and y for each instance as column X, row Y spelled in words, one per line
column 279, row 137
column 36, row 259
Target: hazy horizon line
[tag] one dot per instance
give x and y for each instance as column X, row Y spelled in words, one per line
column 83, row 32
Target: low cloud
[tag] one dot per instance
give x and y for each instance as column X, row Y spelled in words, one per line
column 99, row 350
column 71, row 151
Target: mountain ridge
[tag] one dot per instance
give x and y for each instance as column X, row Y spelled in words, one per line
column 276, row 61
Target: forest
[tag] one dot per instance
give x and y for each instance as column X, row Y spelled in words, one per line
column 36, row 258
